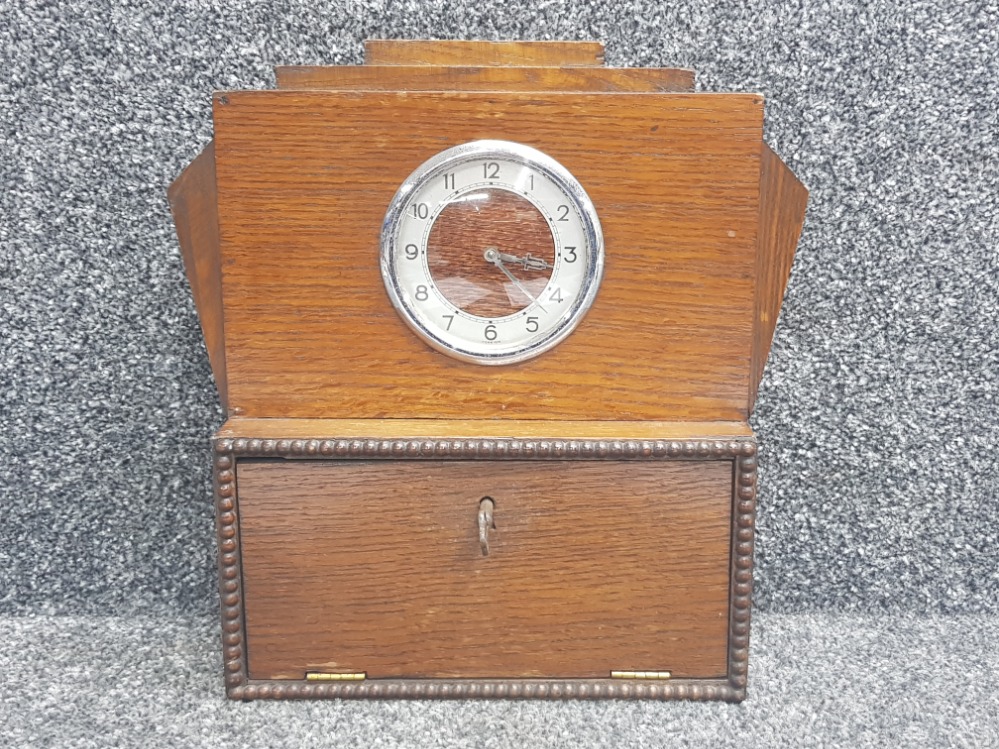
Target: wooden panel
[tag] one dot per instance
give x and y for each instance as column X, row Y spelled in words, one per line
column 376, row 566
column 431, row 78
column 782, row 215
column 304, row 181
column 439, row 52
column 277, row 429
column 193, row 202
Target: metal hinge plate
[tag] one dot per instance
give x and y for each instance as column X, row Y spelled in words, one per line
column 320, row 676
column 641, row 675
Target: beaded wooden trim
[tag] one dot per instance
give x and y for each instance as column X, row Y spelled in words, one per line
column 491, row 449
column 732, row 688
column 740, row 606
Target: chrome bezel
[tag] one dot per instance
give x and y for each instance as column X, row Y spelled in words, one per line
column 563, row 179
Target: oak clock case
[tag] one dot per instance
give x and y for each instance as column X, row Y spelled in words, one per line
column 492, row 252
column 464, row 456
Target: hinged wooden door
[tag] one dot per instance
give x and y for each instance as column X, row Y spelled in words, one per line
column 593, row 567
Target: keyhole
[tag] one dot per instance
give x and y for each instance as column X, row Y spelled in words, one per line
column 486, row 522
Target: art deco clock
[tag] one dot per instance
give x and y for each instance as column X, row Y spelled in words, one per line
column 487, row 320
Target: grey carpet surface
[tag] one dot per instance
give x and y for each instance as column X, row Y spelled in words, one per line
column 877, row 417
column 817, row 680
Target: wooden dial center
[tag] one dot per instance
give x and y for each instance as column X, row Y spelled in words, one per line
column 497, row 219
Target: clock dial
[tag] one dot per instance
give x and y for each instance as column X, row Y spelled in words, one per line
column 467, row 228
column 492, row 252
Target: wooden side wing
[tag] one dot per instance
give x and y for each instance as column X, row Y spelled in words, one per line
column 782, row 214
column 193, row 202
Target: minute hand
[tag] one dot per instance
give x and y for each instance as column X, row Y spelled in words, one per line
column 493, row 256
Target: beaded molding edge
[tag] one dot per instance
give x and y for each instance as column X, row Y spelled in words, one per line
column 500, row 448
column 732, row 688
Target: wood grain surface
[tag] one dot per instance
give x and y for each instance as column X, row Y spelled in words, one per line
column 462, row 52
column 304, row 180
column 464, row 230
column 470, row 78
column 592, row 567
column 278, row 429
column 782, row 215
column 193, row 201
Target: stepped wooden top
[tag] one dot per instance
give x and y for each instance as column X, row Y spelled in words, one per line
column 278, row 221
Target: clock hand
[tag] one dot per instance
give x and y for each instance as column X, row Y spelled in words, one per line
column 527, row 263
column 492, row 255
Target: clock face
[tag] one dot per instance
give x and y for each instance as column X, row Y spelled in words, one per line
column 492, row 252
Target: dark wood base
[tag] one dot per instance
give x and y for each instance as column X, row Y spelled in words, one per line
column 350, row 549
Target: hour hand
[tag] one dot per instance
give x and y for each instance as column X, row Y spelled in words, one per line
column 527, row 263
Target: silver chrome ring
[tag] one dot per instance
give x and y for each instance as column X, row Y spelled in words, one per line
column 562, row 178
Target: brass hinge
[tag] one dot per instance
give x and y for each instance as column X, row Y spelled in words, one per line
column 641, row 675
column 320, row 676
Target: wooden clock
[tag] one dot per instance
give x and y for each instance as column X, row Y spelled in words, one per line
column 487, row 320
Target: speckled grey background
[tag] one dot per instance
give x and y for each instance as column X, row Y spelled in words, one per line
column 877, row 417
